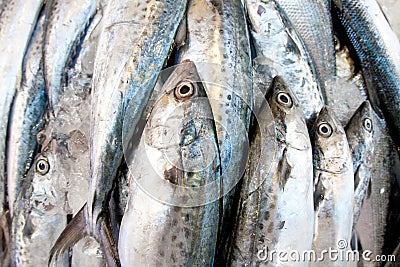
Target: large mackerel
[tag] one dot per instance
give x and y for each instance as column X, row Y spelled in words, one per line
column 27, row 109
column 66, row 22
column 136, row 39
column 379, row 56
column 17, row 16
column 269, row 216
column 333, row 188
column 173, row 211
column 281, row 51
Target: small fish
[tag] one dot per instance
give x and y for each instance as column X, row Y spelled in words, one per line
column 16, row 16
column 27, row 110
column 280, row 51
column 379, row 56
column 173, row 211
column 333, row 186
column 269, row 215
column 66, row 22
column 360, row 136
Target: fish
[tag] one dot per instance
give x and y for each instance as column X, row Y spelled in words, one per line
column 173, row 211
column 312, row 19
column 39, row 215
column 26, row 116
column 269, row 216
column 280, row 51
column 379, row 56
column 66, row 23
column 333, row 187
column 221, row 27
column 372, row 224
column 134, row 42
column 360, row 137
column 16, row 16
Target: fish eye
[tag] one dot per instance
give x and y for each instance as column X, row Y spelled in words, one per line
column 184, row 90
column 42, row 166
column 325, row 130
column 284, row 99
column 368, row 124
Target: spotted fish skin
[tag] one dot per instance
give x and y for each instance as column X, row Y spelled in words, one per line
column 360, row 135
column 281, row 51
column 178, row 154
column 333, row 186
column 267, row 219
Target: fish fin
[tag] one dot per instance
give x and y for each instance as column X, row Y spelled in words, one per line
column 109, row 244
column 319, row 192
column 74, row 232
column 284, row 169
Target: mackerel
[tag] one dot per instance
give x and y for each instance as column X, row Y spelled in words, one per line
column 172, row 213
column 17, row 16
column 269, row 216
column 135, row 40
column 333, row 187
column 220, row 26
column 378, row 55
column 359, row 132
column 281, row 51
column 27, row 110
column 66, row 22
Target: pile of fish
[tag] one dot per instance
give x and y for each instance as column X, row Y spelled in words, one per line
column 198, row 133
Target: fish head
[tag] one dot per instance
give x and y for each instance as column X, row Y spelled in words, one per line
column 179, row 139
column 289, row 118
column 360, row 133
column 331, row 150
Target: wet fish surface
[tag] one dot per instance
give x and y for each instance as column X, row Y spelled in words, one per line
column 281, row 51
column 66, row 23
column 268, row 219
column 333, row 186
column 378, row 55
column 360, row 136
column 177, row 223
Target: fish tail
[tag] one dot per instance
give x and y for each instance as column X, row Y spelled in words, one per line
column 74, row 232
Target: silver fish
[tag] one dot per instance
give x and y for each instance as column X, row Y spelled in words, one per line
column 17, row 16
column 39, row 215
column 270, row 218
column 379, row 56
column 333, row 187
column 312, row 19
column 372, row 223
column 360, row 136
column 66, row 22
column 220, row 26
column 27, row 110
column 172, row 214
column 280, row 51
column 135, row 40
